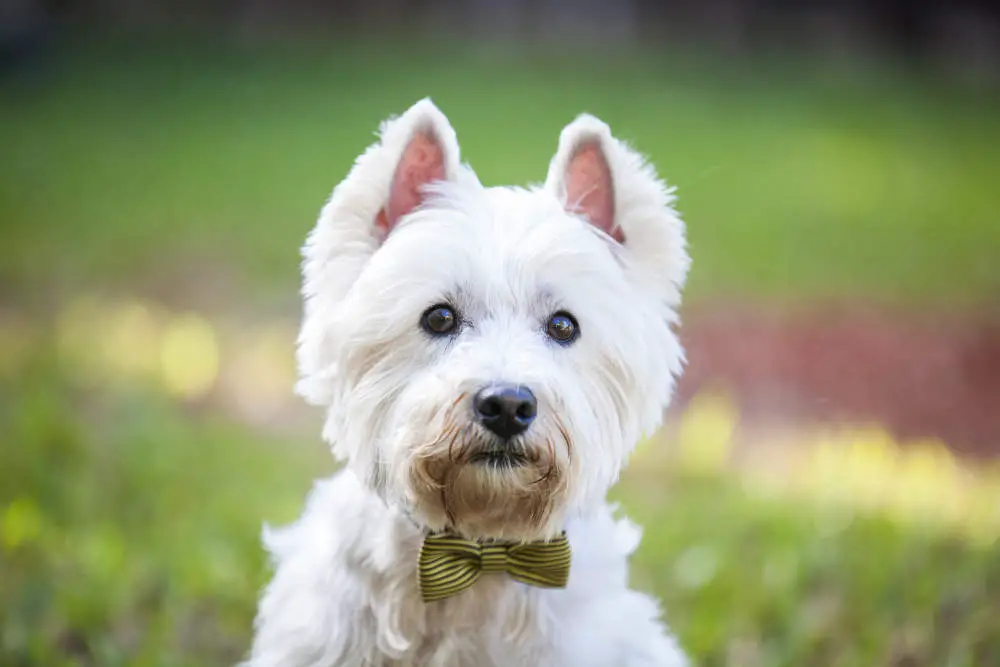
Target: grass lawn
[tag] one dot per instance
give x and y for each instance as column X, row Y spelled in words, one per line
column 129, row 522
column 125, row 163
column 129, row 536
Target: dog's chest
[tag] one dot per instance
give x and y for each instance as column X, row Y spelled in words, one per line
column 495, row 624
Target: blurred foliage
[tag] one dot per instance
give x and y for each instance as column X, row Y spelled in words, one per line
column 755, row 581
column 167, row 160
column 129, row 526
column 129, row 532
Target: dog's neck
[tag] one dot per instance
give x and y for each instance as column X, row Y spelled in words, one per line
column 408, row 515
column 383, row 544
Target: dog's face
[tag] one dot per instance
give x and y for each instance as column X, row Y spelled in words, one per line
column 489, row 356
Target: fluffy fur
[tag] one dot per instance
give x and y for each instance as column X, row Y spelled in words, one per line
column 411, row 227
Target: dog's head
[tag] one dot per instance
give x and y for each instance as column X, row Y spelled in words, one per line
column 490, row 356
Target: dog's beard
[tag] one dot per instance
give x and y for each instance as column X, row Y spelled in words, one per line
column 467, row 480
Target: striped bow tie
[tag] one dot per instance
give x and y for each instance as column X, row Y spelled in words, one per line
column 449, row 564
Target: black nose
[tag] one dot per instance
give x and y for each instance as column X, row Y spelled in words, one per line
column 505, row 409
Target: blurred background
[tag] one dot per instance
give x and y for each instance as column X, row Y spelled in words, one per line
column 826, row 491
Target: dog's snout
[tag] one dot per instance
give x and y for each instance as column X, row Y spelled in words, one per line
column 505, row 409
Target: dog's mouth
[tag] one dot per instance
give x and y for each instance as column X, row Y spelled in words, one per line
column 483, row 485
column 499, row 459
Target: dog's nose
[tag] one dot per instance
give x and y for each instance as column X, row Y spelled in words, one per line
column 505, row 409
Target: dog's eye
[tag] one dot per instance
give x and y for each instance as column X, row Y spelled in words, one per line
column 439, row 320
column 562, row 328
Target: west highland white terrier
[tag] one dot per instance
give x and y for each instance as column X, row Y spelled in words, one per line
column 487, row 358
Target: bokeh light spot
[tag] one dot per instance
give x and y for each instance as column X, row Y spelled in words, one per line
column 189, row 356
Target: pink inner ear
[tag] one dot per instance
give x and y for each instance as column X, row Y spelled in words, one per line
column 590, row 189
column 422, row 163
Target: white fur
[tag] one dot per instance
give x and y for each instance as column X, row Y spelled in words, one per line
column 345, row 588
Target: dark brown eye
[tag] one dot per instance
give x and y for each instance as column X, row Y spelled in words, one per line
column 439, row 320
column 562, row 328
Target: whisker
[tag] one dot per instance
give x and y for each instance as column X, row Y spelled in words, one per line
column 446, row 505
column 550, row 449
column 565, row 437
column 456, row 432
column 464, row 443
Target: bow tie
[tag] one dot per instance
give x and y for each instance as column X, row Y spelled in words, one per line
column 449, row 564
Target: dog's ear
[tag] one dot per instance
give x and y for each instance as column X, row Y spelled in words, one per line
column 582, row 176
column 429, row 154
column 389, row 179
column 388, row 182
column 611, row 186
column 422, row 163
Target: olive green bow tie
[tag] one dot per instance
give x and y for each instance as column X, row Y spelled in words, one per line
column 450, row 564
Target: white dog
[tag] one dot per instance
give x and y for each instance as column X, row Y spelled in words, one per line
column 488, row 358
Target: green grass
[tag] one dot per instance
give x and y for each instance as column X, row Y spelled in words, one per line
column 129, row 523
column 131, row 165
column 129, row 528
column 748, row 581
column 129, row 536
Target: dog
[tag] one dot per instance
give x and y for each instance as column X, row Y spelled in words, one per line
column 487, row 358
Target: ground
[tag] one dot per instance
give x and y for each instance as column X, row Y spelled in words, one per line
column 921, row 374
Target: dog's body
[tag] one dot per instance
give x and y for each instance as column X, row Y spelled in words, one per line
column 345, row 594
column 488, row 358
